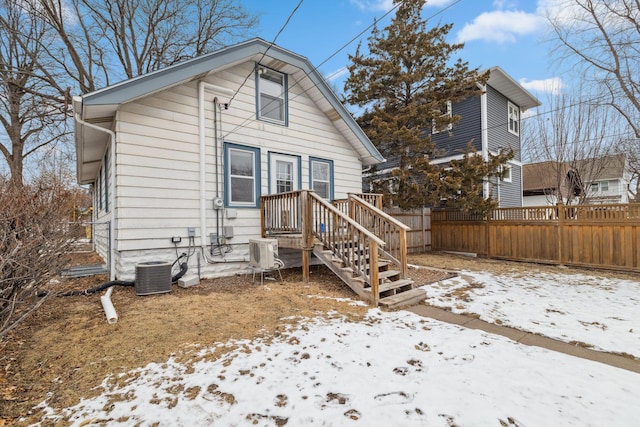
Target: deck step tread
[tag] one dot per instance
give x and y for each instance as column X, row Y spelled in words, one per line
column 388, row 273
column 387, row 286
column 404, row 299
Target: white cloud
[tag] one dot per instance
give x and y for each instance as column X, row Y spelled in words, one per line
column 552, row 85
column 336, row 74
column 500, row 26
column 373, row 5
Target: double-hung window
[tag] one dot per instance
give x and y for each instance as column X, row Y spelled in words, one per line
column 321, row 177
column 272, row 95
column 242, row 173
column 443, row 123
column 514, row 118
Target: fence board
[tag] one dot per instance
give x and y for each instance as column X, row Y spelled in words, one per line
column 419, row 237
column 604, row 236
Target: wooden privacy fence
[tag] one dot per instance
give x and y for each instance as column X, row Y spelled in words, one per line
column 604, row 236
column 419, row 221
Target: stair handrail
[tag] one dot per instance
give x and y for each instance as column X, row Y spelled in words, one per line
column 395, row 226
column 316, row 229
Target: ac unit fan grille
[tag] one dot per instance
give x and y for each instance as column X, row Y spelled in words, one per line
column 153, row 277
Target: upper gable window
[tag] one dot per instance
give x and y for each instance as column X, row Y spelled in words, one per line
column 445, row 110
column 514, row 119
column 272, row 95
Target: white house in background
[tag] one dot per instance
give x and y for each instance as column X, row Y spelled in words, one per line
column 188, row 151
column 593, row 181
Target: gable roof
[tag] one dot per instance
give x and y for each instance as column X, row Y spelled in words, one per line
column 501, row 81
column 98, row 108
column 544, row 176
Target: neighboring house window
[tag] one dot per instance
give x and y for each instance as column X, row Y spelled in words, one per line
column 106, row 183
column 445, row 110
column 514, row 119
column 242, row 175
column 272, row 95
column 321, row 177
column 507, row 176
column 284, row 173
column 604, row 186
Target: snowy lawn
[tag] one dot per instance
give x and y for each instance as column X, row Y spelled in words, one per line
column 392, row 369
column 601, row 312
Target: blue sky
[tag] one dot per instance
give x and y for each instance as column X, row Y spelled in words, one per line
column 507, row 33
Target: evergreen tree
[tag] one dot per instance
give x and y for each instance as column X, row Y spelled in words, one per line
column 403, row 84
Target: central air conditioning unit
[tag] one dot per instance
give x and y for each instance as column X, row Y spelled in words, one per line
column 263, row 253
column 153, row 277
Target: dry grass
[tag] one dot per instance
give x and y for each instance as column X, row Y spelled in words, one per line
column 67, row 348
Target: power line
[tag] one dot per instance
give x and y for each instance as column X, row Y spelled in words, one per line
column 295, row 9
column 315, row 68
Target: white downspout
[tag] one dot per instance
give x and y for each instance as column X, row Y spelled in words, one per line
column 112, row 193
column 484, row 135
column 202, row 142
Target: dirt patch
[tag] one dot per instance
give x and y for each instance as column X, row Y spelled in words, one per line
column 457, row 262
column 66, row 347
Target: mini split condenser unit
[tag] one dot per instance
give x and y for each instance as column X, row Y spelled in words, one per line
column 263, row 253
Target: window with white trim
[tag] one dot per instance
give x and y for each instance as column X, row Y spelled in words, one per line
column 514, row 118
column 284, row 173
column 446, row 112
column 272, row 95
column 242, row 173
column 321, row 177
column 507, row 174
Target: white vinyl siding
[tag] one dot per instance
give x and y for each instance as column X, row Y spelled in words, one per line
column 158, row 161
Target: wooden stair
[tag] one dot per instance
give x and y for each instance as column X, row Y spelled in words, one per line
column 393, row 290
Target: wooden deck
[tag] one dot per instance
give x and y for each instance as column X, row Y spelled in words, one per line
column 362, row 245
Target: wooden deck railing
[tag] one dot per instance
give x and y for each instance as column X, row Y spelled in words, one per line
column 304, row 212
column 383, row 225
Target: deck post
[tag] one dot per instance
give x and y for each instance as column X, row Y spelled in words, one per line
column 373, row 273
column 307, row 233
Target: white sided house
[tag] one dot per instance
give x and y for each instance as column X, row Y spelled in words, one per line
column 178, row 159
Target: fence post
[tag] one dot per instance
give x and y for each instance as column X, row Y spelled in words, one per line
column 561, row 213
column 487, row 245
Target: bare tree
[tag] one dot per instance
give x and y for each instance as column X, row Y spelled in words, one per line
column 34, row 240
column 631, row 149
column 32, row 105
column 569, row 143
column 110, row 40
column 604, row 37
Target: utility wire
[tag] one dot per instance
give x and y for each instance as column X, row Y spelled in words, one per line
column 267, row 50
column 376, row 20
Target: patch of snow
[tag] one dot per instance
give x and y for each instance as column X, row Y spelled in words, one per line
column 391, row 369
column 598, row 311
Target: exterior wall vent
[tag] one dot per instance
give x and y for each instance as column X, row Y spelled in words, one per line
column 153, row 277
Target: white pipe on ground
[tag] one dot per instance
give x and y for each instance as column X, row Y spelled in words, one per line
column 109, row 309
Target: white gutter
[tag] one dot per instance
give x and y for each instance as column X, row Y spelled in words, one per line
column 112, row 192
column 202, row 152
column 484, row 135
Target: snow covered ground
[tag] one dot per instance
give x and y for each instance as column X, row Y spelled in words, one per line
column 591, row 309
column 398, row 369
